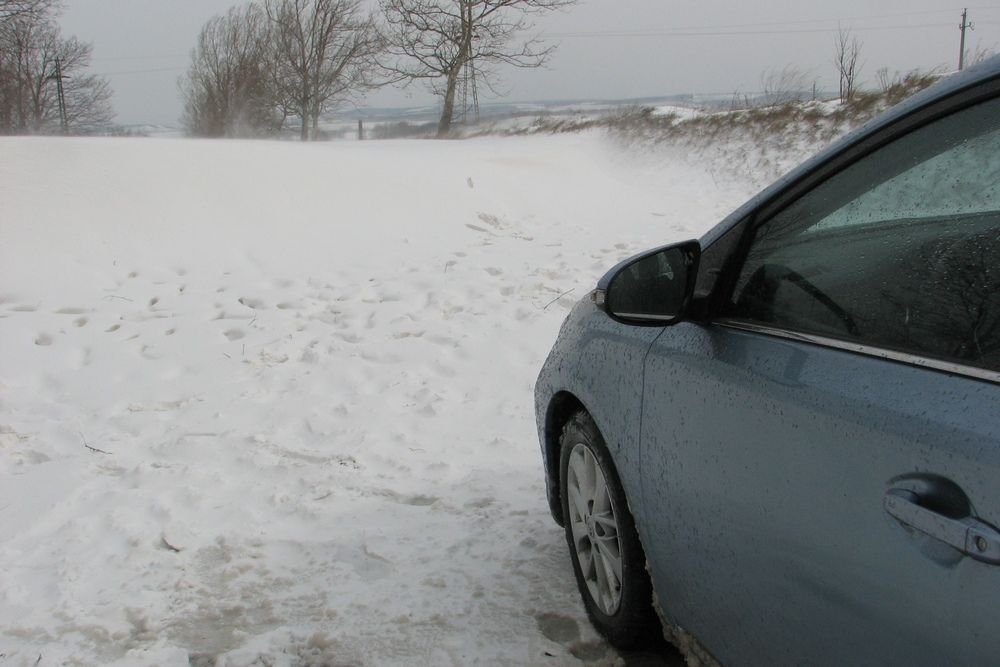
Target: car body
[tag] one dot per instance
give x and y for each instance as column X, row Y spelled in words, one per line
column 798, row 415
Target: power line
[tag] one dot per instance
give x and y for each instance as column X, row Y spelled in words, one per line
column 683, row 31
column 141, row 71
column 119, row 58
column 735, row 26
column 729, row 33
column 731, row 30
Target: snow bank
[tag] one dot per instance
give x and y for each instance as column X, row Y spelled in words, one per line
column 270, row 403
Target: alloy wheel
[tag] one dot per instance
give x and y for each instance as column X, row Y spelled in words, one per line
column 594, row 527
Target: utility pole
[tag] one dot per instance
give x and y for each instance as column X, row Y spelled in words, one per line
column 961, row 49
column 58, row 76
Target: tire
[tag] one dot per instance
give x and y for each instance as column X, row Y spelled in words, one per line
column 608, row 559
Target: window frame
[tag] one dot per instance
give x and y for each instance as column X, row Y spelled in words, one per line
column 741, row 235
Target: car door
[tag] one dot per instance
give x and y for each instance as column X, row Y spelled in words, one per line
column 820, row 456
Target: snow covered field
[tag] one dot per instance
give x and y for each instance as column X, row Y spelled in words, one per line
column 271, row 403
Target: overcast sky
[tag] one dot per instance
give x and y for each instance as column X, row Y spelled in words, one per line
column 608, row 49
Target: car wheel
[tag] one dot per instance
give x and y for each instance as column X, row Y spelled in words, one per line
column 608, row 559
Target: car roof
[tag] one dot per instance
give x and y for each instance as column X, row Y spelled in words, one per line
column 965, row 79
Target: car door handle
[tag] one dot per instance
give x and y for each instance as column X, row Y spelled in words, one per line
column 972, row 537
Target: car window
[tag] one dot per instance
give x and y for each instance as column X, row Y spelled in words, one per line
column 901, row 250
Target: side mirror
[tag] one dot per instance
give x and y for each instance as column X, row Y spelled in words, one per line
column 653, row 288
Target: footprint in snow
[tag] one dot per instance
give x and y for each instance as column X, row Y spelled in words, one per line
column 43, row 340
column 414, row 500
column 443, row 370
column 407, row 334
column 256, row 304
column 349, row 338
column 491, row 220
column 309, row 354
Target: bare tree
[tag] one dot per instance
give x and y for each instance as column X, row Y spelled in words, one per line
column 8, row 79
column 88, row 103
column 33, row 10
column 324, row 53
column 10, row 9
column 847, row 51
column 226, row 90
column 30, row 48
column 447, row 42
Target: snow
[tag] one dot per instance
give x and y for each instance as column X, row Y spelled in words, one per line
column 680, row 113
column 271, row 403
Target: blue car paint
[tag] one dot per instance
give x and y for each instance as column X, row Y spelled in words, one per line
column 590, row 348
column 829, row 605
column 764, row 465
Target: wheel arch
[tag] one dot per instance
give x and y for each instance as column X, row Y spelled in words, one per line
column 562, row 407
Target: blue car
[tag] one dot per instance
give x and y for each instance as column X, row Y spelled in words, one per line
column 780, row 444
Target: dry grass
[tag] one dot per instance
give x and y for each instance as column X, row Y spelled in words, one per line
column 757, row 144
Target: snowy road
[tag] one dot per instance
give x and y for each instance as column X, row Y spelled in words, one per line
column 270, row 403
